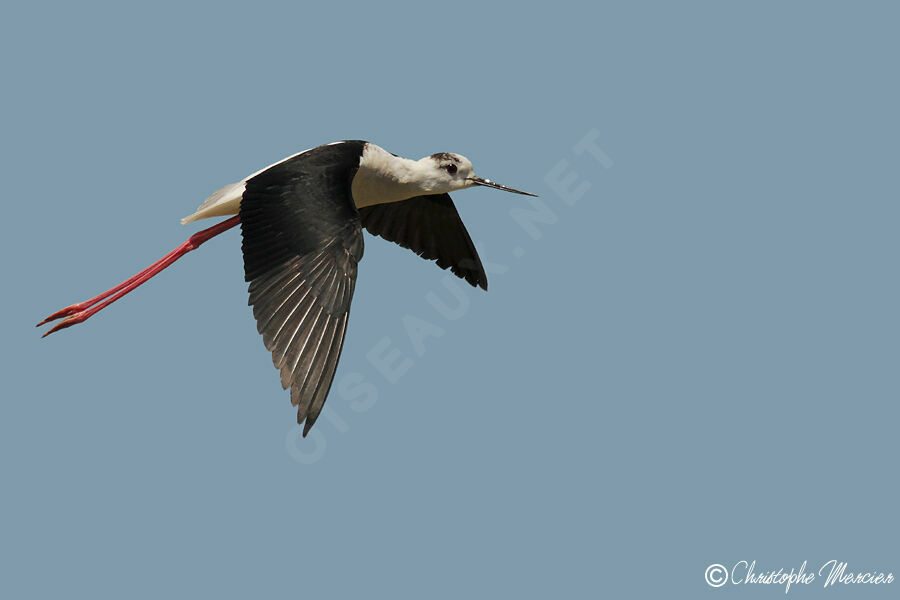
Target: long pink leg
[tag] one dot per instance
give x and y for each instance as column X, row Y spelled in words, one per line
column 80, row 312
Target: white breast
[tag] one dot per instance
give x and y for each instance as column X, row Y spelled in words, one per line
column 383, row 177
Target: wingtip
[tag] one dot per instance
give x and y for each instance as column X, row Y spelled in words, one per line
column 302, row 417
column 308, row 422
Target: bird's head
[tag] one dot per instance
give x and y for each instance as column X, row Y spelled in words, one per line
column 445, row 172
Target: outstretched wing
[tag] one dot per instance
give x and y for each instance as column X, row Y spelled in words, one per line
column 302, row 241
column 430, row 227
column 301, row 309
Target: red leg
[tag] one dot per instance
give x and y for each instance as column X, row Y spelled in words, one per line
column 81, row 311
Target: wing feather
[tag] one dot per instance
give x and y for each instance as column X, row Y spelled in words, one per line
column 431, row 227
column 302, row 240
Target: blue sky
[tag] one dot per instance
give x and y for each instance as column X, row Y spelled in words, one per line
column 687, row 355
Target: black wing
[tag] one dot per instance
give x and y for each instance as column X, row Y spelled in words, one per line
column 302, row 240
column 430, row 227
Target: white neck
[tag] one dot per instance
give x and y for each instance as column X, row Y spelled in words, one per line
column 383, row 177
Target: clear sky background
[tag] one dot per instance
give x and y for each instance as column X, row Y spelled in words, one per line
column 692, row 360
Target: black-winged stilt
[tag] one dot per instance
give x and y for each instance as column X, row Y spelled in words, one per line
column 301, row 221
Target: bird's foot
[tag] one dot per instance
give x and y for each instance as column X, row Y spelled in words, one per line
column 65, row 312
column 74, row 319
column 78, row 313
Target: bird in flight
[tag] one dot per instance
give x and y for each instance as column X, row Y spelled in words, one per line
column 301, row 222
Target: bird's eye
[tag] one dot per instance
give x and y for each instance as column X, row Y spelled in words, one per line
column 451, row 169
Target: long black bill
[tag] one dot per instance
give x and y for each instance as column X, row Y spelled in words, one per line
column 497, row 186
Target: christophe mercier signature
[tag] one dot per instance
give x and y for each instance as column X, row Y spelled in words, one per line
column 832, row 572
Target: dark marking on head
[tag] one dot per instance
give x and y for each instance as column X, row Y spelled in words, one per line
column 443, row 157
